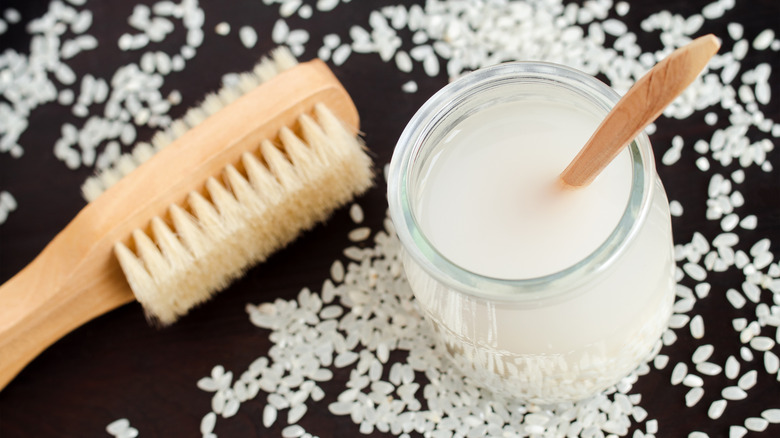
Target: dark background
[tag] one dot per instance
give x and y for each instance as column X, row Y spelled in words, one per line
column 118, row 366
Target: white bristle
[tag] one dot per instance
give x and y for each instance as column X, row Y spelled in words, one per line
column 195, row 116
column 154, row 261
column 281, row 59
column 278, row 165
column 211, row 104
column 135, row 272
column 247, row 82
column 265, row 70
column 302, row 157
column 254, row 206
column 261, row 179
column 125, row 164
column 241, row 222
column 109, row 177
column 169, row 244
column 177, row 129
column 315, row 137
column 91, row 189
column 189, row 231
column 228, row 94
column 161, row 139
column 142, row 152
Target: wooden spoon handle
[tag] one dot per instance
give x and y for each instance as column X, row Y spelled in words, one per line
column 640, row 106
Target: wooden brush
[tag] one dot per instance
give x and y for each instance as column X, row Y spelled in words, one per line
column 225, row 194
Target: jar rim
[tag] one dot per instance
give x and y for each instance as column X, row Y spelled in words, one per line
column 435, row 110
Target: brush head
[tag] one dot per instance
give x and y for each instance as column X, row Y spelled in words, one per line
column 238, row 185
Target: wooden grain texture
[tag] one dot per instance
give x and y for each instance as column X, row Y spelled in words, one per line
column 639, row 107
column 77, row 278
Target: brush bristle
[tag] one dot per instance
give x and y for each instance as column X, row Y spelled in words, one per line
column 281, row 59
column 249, row 214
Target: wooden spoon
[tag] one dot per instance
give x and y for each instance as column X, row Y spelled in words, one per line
column 640, row 106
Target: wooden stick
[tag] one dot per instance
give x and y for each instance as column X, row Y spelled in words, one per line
column 641, row 105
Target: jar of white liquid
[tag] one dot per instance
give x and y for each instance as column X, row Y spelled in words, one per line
column 540, row 294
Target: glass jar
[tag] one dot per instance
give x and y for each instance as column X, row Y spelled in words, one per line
column 557, row 337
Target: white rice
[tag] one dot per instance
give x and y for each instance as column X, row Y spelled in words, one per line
column 293, row 431
column 409, row 87
column 280, row 31
column 733, row 393
column 207, row 423
column 749, row 222
column 442, row 44
column 735, row 31
column 341, row 54
column 748, row 380
column 717, row 408
column 248, row 36
column 708, row 368
column 359, row 234
column 771, row 362
column 762, row 343
column 756, row 424
column 678, row 373
column 771, row 415
column 702, row 353
column 660, row 361
column 764, row 39
column 121, row 429
column 337, row 271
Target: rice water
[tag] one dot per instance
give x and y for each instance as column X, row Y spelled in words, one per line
column 490, row 204
column 540, row 294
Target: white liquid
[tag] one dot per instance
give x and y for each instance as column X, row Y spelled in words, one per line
column 484, row 201
column 489, row 202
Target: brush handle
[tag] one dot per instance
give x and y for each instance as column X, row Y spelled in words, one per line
column 77, row 278
column 73, row 280
column 640, row 106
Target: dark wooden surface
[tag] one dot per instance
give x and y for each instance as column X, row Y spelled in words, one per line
column 118, row 366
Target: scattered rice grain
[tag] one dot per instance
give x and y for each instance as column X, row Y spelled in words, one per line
column 409, row 87
column 764, row 39
column 248, row 36
column 717, row 408
column 756, row 424
column 733, row 393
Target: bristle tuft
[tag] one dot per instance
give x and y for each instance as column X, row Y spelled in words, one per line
column 109, row 177
column 261, row 179
column 283, row 58
column 279, row 166
column 248, row 216
column 162, row 139
column 247, row 82
column 212, row 103
column 149, row 253
column 142, row 152
column 140, row 281
column 195, row 115
column 178, row 128
column 91, row 189
column 125, row 164
column 228, row 95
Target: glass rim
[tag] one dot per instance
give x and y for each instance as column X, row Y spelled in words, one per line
column 435, row 110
